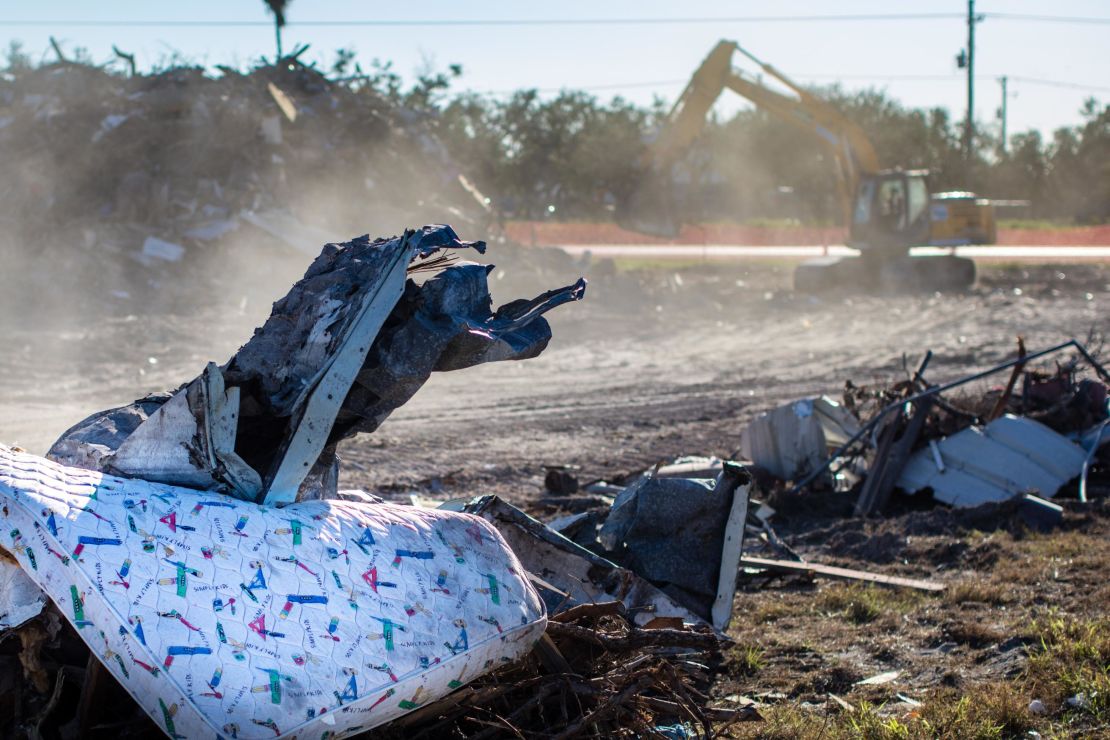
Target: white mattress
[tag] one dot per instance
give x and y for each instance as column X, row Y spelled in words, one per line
column 230, row 619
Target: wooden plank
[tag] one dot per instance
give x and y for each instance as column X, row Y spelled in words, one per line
column 889, row 465
column 732, row 548
column 831, row 571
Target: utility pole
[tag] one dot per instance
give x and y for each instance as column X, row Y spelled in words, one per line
column 969, row 123
column 1002, row 111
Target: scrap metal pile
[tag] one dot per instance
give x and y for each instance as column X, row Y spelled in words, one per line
column 1008, row 448
column 1026, row 438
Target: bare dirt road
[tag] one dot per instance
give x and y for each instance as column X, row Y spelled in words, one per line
column 673, row 362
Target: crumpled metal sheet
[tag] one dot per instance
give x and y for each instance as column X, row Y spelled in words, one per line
column 445, row 324
column 1009, row 457
column 792, row 440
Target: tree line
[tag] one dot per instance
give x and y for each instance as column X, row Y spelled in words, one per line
column 574, row 155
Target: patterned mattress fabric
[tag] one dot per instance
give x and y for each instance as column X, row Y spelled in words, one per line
column 228, row 619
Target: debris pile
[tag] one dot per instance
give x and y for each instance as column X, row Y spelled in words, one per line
column 594, row 674
column 125, row 191
column 231, row 479
column 351, row 342
column 1028, row 437
column 1008, row 449
column 609, row 619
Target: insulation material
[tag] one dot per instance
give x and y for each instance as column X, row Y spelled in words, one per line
column 20, row 598
column 229, row 619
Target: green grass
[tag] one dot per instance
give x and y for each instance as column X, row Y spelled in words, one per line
column 1035, row 223
column 745, row 660
column 1071, row 657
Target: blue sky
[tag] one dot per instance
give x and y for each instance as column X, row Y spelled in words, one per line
column 912, row 59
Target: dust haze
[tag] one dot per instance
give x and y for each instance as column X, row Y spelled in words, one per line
column 657, row 361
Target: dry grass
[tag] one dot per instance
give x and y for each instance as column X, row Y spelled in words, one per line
column 1031, row 622
column 862, row 604
column 772, row 612
column 976, row 592
column 974, row 633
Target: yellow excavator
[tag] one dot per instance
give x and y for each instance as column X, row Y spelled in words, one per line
column 887, row 211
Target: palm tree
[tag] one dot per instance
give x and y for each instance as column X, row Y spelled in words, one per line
column 277, row 7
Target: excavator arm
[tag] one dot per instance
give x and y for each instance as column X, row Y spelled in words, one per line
column 843, row 139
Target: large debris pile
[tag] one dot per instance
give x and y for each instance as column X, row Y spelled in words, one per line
column 126, row 191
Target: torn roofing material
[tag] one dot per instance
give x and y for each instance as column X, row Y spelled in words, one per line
column 1009, row 457
column 684, row 535
column 351, row 341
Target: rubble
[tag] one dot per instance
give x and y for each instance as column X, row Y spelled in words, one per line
column 686, row 533
column 281, row 159
column 247, row 450
column 993, row 448
column 569, row 575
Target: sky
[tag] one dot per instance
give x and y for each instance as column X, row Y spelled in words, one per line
column 562, row 45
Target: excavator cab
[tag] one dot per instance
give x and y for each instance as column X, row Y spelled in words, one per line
column 890, row 213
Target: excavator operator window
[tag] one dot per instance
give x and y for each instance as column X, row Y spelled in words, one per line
column 864, row 197
column 918, row 199
column 892, row 204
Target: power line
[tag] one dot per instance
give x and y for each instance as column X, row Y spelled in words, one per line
column 1059, row 83
column 511, row 22
column 1046, row 18
column 501, row 21
column 950, row 78
column 816, row 77
column 589, row 88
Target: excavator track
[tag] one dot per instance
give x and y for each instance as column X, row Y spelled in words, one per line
column 905, row 274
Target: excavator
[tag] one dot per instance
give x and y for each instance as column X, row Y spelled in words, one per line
column 887, row 211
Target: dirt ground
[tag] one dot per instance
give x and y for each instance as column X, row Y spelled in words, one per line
column 676, row 362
